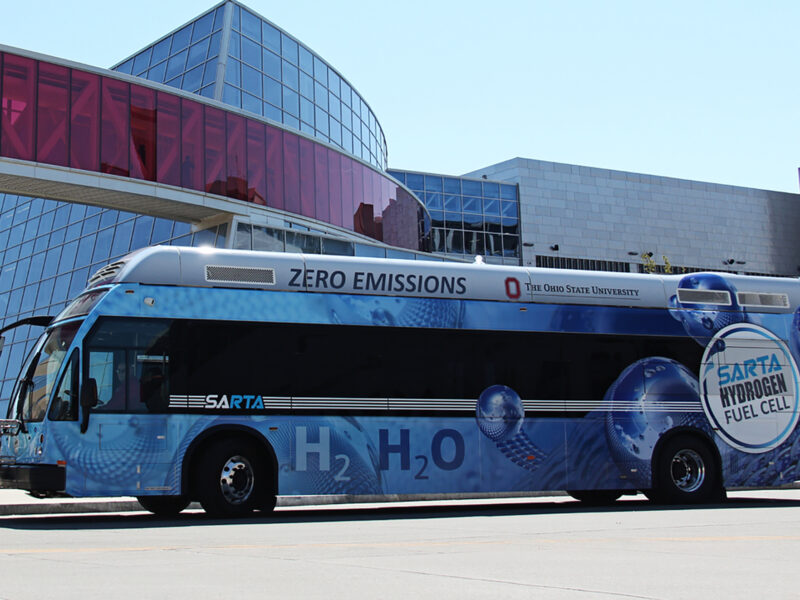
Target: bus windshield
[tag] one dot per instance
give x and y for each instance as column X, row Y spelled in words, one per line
column 32, row 392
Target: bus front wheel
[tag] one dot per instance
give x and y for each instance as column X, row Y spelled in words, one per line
column 163, row 506
column 685, row 473
column 231, row 479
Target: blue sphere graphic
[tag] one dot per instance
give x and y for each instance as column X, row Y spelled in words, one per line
column 639, row 411
column 794, row 336
column 499, row 413
column 702, row 321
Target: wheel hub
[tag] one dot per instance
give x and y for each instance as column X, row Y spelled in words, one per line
column 237, row 480
column 688, row 470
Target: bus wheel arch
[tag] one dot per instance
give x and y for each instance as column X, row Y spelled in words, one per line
column 686, row 469
column 231, row 471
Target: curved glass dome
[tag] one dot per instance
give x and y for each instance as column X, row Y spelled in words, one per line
column 235, row 56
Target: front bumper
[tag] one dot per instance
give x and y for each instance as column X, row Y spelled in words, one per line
column 33, row 478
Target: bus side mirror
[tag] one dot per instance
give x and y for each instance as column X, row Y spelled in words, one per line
column 88, row 401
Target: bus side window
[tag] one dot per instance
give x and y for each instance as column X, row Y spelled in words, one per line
column 65, row 401
column 108, row 369
column 153, row 383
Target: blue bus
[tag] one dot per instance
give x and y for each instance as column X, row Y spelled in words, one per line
column 231, row 377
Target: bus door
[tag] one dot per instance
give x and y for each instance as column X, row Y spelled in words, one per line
column 48, row 378
column 128, row 362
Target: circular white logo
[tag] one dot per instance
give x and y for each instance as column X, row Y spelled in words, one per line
column 749, row 384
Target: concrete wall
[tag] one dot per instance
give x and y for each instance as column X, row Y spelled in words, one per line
column 603, row 214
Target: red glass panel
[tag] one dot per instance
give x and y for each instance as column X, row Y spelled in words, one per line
column 357, row 213
column 192, row 150
column 386, row 186
column 215, row 151
column 18, row 107
column 143, row 133
column 347, row 193
column 321, row 185
column 307, row 207
column 256, row 163
column 275, row 198
column 237, row 157
column 52, row 111
column 377, row 203
column 367, row 180
column 114, row 126
column 291, row 173
column 168, row 139
column 84, row 121
column 335, row 182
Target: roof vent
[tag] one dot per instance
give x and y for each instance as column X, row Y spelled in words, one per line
column 246, row 275
column 105, row 274
column 691, row 296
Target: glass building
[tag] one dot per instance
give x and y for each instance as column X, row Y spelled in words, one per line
column 469, row 217
column 227, row 132
column 232, row 55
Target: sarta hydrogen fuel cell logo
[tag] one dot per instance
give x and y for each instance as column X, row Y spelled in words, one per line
column 749, row 382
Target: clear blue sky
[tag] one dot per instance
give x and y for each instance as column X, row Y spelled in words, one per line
column 702, row 90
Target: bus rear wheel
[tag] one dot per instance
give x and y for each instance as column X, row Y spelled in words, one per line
column 163, row 506
column 685, row 473
column 596, row 497
column 231, row 479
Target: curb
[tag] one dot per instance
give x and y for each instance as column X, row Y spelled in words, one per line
column 78, row 506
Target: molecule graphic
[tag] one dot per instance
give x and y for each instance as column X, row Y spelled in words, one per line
column 499, row 413
column 702, row 321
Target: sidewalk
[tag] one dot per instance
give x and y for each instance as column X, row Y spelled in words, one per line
column 19, row 503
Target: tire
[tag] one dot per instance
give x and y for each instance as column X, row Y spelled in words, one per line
column 596, row 497
column 685, row 472
column 231, row 479
column 164, row 506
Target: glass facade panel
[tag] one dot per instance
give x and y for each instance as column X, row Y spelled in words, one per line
column 474, row 219
column 192, row 145
column 288, row 48
column 236, row 157
column 215, row 163
column 203, row 26
column 18, row 91
column 268, row 239
column 271, row 37
column 114, row 127
column 321, row 184
column 335, row 182
column 53, row 107
column 160, row 51
column 84, row 121
column 272, row 64
column 291, row 173
column 143, row 133
column 306, row 154
column 181, row 39
column 251, row 53
column 256, row 163
column 275, row 187
column 168, row 157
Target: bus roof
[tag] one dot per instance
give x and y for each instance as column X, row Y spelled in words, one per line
column 209, row 267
